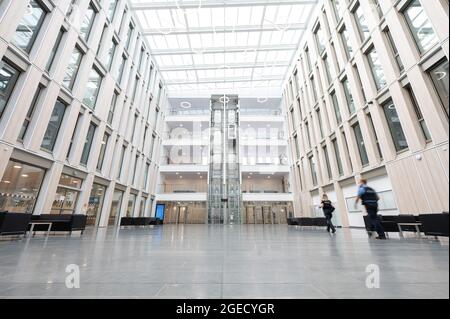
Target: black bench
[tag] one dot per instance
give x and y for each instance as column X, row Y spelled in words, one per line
column 60, row 223
column 13, row 223
column 435, row 224
column 138, row 221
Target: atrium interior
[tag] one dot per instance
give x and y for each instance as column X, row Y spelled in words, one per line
column 189, row 148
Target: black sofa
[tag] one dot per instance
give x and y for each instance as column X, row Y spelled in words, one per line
column 308, row 221
column 435, row 224
column 432, row 224
column 60, row 223
column 13, row 223
column 139, row 221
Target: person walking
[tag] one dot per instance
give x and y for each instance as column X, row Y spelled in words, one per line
column 328, row 209
column 369, row 198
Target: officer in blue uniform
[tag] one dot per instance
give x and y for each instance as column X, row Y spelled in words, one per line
column 370, row 198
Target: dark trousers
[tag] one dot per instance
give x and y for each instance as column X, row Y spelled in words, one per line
column 372, row 212
column 330, row 225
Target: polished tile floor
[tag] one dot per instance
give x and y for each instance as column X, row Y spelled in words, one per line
column 223, row 262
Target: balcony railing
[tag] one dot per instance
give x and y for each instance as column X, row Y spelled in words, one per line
column 183, row 188
column 190, row 112
column 168, row 161
column 255, row 189
column 264, row 112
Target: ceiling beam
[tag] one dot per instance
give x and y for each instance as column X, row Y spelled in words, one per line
column 225, row 29
column 223, row 80
column 223, row 66
column 196, row 4
column 280, row 47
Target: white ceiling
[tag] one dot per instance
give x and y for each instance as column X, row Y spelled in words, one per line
column 223, row 46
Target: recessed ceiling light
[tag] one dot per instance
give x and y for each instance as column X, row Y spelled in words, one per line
column 17, row 166
column 24, row 175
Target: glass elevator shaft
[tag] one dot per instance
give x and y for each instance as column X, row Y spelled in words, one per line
column 224, row 196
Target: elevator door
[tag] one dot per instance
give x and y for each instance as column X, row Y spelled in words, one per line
column 259, row 216
column 250, row 217
column 267, row 215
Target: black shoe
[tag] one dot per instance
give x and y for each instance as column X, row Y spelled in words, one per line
column 382, row 238
column 334, row 231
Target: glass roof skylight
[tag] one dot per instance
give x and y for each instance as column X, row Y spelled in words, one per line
column 204, row 45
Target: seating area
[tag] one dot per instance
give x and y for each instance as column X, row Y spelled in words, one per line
column 19, row 223
column 308, row 221
column 13, row 223
column 429, row 224
column 139, row 221
column 60, row 223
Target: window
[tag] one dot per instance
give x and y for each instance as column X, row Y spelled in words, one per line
column 349, row 96
column 319, row 118
column 359, row 82
column 30, row 112
column 54, row 50
column 361, row 22
column 102, row 38
column 110, row 53
column 418, row 112
column 361, row 145
column 8, row 79
column 29, row 26
column 327, row 162
column 395, row 126
column 115, row 207
column 72, row 69
column 145, row 180
column 112, row 108
column 329, row 71
column 92, row 89
column 51, row 134
column 377, row 8
column 377, row 69
column 122, row 156
column 346, row 42
column 101, row 157
column 96, row 199
column 337, row 112
column 299, row 104
column 420, row 26
column 313, row 88
column 346, row 150
column 158, row 100
column 112, row 9
column 297, row 148
column 129, row 34
column 338, row 157
column 120, row 69
column 131, row 204
column 308, row 60
column 338, row 6
column 67, row 195
column 88, row 144
column 312, row 164
column 375, row 135
column 308, row 135
column 439, row 75
column 320, row 39
column 73, row 135
column 86, row 24
column 397, row 57
column 133, row 128
column 135, row 169
column 19, row 187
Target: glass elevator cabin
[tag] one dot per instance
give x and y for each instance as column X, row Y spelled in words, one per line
column 224, row 195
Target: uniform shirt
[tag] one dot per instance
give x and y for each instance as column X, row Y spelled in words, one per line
column 363, row 191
